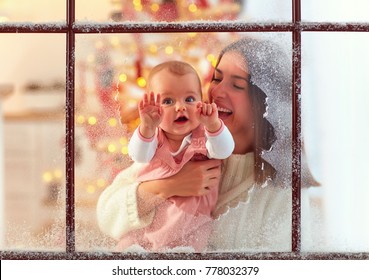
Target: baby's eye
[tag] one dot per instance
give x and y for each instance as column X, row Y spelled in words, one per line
column 167, row 101
column 190, row 99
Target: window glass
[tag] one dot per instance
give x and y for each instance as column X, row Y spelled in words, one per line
column 111, row 73
column 32, row 11
column 183, row 10
column 335, row 119
column 32, row 150
column 335, row 10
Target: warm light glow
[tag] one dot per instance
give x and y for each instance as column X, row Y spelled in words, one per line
column 141, row 82
column 123, row 77
column 192, row 8
column 113, row 122
column 101, row 183
column 192, row 34
column 138, row 8
column 3, row 19
column 123, row 140
column 115, row 41
column 112, row 148
column 80, row 119
column 47, row 177
column 91, row 189
column 153, row 48
column 58, row 173
column 125, row 150
column 154, row 7
column 169, row 50
column 92, row 120
column 136, row 2
column 91, row 58
column 212, row 59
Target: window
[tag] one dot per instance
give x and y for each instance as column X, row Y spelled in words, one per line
column 92, row 53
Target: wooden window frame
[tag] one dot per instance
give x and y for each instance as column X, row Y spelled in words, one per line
column 71, row 28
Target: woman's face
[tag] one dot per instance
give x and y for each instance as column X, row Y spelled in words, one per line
column 229, row 90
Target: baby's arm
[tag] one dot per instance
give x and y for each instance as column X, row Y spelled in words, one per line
column 141, row 149
column 220, row 144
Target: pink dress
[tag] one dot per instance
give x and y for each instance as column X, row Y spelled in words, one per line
column 179, row 221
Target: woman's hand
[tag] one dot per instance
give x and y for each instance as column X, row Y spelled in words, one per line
column 194, row 179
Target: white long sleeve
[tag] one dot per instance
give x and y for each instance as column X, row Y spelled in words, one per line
column 142, row 150
column 219, row 145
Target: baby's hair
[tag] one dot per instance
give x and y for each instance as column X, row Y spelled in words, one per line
column 176, row 67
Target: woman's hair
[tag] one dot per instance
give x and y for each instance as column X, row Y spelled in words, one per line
column 175, row 67
column 270, row 93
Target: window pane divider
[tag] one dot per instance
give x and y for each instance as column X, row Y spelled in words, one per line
column 70, row 28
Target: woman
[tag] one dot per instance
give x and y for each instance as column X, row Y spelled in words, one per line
column 251, row 86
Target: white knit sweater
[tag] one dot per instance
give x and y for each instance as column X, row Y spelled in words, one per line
column 248, row 217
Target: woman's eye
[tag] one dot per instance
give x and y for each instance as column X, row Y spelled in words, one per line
column 239, row 87
column 216, row 80
column 167, row 101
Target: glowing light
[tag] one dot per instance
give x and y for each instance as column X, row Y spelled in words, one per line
column 91, row 189
column 112, row 148
column 124, row 150
column 113, row 122
column 58, row 173
column 80, row 119
column 123, row 77
column 91, row 58
column 115, row 41
column 101, row 183
column 136, row 2
column 138, row 8
column 192, row 34
column 141, row 82
column 3, row 19
column 123, row 140
column 92, row 120
column 192, row 8
column 153, row 48
column 169, row 50
column 154, row 7
column 210, row 57
column 47, row 177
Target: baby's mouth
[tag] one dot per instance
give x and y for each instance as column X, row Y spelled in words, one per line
column 181, row 119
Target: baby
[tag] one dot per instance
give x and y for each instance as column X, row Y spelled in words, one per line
column 176, row 127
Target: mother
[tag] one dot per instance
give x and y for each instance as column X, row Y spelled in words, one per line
column 251, row 86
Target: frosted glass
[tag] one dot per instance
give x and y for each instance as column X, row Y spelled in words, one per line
column 335, row 120
column 32, row 188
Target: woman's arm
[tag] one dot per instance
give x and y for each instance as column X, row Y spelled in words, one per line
column 126, row 205
column 194, row 179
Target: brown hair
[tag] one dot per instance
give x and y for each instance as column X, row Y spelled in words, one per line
column 270, row 85
column 175, row 67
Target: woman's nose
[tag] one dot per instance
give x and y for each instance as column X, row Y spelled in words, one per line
column 217, row 91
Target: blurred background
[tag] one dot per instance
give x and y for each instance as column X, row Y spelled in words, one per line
column 111, row 71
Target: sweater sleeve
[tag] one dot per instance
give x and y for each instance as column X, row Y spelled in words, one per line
column 117, row 212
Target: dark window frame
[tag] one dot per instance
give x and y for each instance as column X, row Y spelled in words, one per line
column 71, row 28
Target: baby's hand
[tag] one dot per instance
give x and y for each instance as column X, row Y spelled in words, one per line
column 209, row 116
column 150, row 114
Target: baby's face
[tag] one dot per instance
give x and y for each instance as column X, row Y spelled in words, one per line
column 179, row 97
